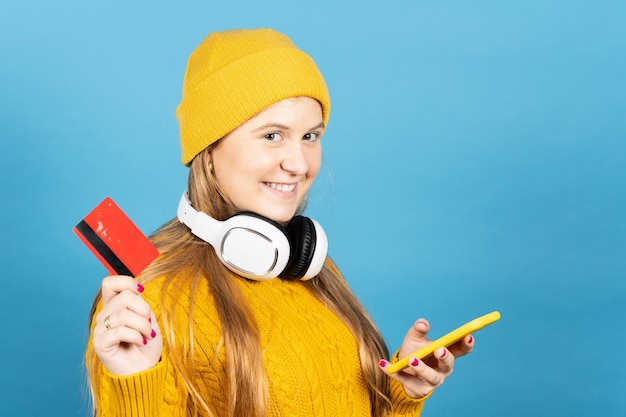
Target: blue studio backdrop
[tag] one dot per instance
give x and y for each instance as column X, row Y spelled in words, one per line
column 474, row 161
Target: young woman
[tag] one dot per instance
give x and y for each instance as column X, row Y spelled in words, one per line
column 210, row 329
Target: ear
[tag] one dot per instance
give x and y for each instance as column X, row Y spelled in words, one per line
column 209, row 156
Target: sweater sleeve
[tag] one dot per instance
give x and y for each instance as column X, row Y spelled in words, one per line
column 136, row 395
column 402, row 404
column 155, row 392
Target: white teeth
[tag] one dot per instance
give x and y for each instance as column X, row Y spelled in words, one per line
column 282, row 187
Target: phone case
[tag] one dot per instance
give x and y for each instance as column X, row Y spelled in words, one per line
column 447, row 340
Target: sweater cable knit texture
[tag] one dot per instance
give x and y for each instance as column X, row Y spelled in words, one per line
column 310, row 356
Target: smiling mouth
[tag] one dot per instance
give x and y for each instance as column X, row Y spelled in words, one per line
column 281, row 187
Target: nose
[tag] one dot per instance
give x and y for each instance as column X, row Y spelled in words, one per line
column 294, row 159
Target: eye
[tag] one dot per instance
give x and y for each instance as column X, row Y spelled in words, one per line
column 274, row 136
column 311, row 136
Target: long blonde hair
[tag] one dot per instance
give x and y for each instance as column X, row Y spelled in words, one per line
column 182, row 254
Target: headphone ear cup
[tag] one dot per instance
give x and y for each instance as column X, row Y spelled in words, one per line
column 302, row 239
column 253, row 246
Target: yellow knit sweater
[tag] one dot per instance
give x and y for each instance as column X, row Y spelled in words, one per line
column 310, row 357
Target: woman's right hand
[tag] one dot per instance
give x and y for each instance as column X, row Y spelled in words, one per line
column 126, row 337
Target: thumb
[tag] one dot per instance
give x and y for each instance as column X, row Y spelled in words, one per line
column 418, row 331
column 415, row 338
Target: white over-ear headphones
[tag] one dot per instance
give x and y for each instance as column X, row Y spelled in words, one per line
column 258, row 248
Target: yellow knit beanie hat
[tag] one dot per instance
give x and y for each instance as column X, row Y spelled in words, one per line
column 233, row 75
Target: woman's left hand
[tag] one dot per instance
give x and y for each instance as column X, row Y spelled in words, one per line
column 422, row 377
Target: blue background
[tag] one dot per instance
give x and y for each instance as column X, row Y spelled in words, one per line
column 475, row 160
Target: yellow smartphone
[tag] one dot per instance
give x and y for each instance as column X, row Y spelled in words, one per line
column 447, row 340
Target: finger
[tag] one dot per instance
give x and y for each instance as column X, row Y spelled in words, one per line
column 444, row 361
column 130, row 301
column 463, row 346
column 427, row 374
column 126, row 318
column 115, row 284
column 126, row 309
column 111, row 339
column 122, row 308
column 122, row 292
column 414, row 386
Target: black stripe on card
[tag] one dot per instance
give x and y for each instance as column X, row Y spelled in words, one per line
column 104, row 251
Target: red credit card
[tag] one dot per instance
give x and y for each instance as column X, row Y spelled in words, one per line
column 115, row 240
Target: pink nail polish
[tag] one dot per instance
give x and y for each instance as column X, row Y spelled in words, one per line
column 139, row 287
column 415, row 362
column 443, row 355
column 470, row 340
column 382, row 363
column 153, row 334
column 150, row 320
column 145, row 341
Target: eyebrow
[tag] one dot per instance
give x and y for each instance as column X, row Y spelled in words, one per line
column 284, row 127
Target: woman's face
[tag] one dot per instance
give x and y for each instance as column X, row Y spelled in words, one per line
column 268, row 164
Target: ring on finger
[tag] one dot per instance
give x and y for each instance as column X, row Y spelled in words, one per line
column 107, row 323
